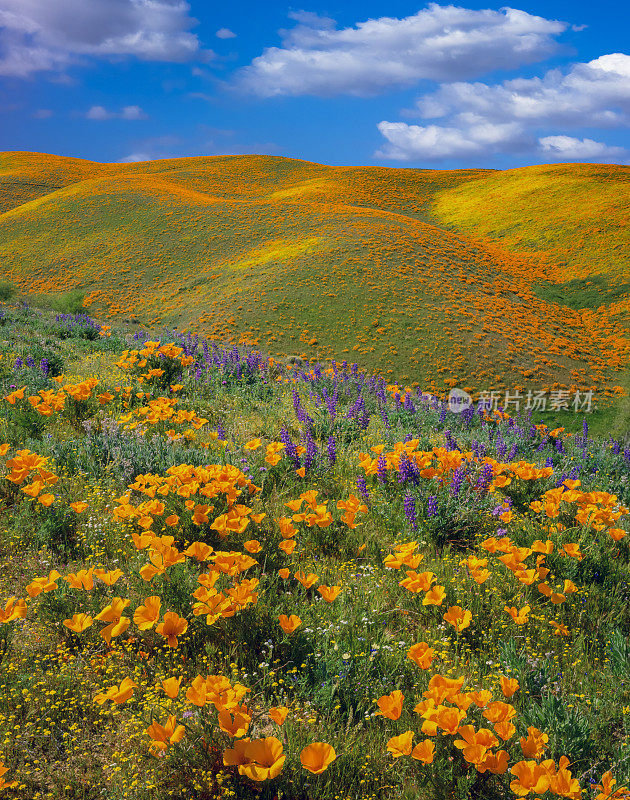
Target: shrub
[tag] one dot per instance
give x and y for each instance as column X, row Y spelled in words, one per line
column 7, row 291
column 66, row 303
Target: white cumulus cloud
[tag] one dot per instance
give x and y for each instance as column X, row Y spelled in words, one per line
column 568, row 148
column 225, row 33
column 128, row 112
column 594, row 93
column 39, row 35
column 435, row 142
column 132, row 158
column 438, row 43
column 515, row 116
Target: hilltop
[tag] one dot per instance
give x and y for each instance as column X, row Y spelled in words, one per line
column 484, row 279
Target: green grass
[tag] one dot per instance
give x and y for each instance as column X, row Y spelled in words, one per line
column 591, row 292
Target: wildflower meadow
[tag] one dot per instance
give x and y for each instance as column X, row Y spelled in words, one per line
column 229, row 575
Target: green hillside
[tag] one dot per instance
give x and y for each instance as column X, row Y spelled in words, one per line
column 427, row 276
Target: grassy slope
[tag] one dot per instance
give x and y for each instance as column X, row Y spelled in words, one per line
column 578, row 215
column 58, row 743
column 346, row 262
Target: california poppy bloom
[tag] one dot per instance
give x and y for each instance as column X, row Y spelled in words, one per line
column 171, row 687
column 118, row 694
column 163, row 735
column 424, row 751
column 400, row 745
column 278, row 714
column 289, row 624
column 306, row 580
column 264, row 759
column 435, row 597
column 329, row 593
column 421, row 654
column 78, row 623
column 509, row 686
column 519, row 617
column 172, row 627
column 147, row 615
column 458, row 617
column 391, row 704
column 317, row 757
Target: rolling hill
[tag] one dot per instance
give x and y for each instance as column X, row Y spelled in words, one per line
column 485, row 279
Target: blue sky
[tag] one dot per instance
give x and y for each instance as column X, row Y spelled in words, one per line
column 389, row 83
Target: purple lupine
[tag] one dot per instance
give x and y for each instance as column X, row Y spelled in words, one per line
column 410, row 511
column 468, row 416
column 451, row 444
column 432, row 507
column 300, row 413
column 356, row 409
column 385, row 419
column 513, row 451
column 381, row 468
column 311, row 452
column 18, row 363
column 409, row 406
column 443, row 411
column 616, row 447
column 413, row 473
column 364, row 420
column 403, row 467
column 331, row 404
column 44, row 366
column 289, row 447
column 549, row 462
column 331, row 447
column 626, row 455
column 456, row 480
column 362, row 487
column 485, row 479
column 221, row 431
column 560, row 446
column 585, row 430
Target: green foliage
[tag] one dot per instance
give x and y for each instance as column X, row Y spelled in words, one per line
column 65, row 303
column 569, row 729
column 591, row 292
column 7, row 291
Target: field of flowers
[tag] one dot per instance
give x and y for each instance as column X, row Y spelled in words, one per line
column 230, row 576
column 510, row 280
